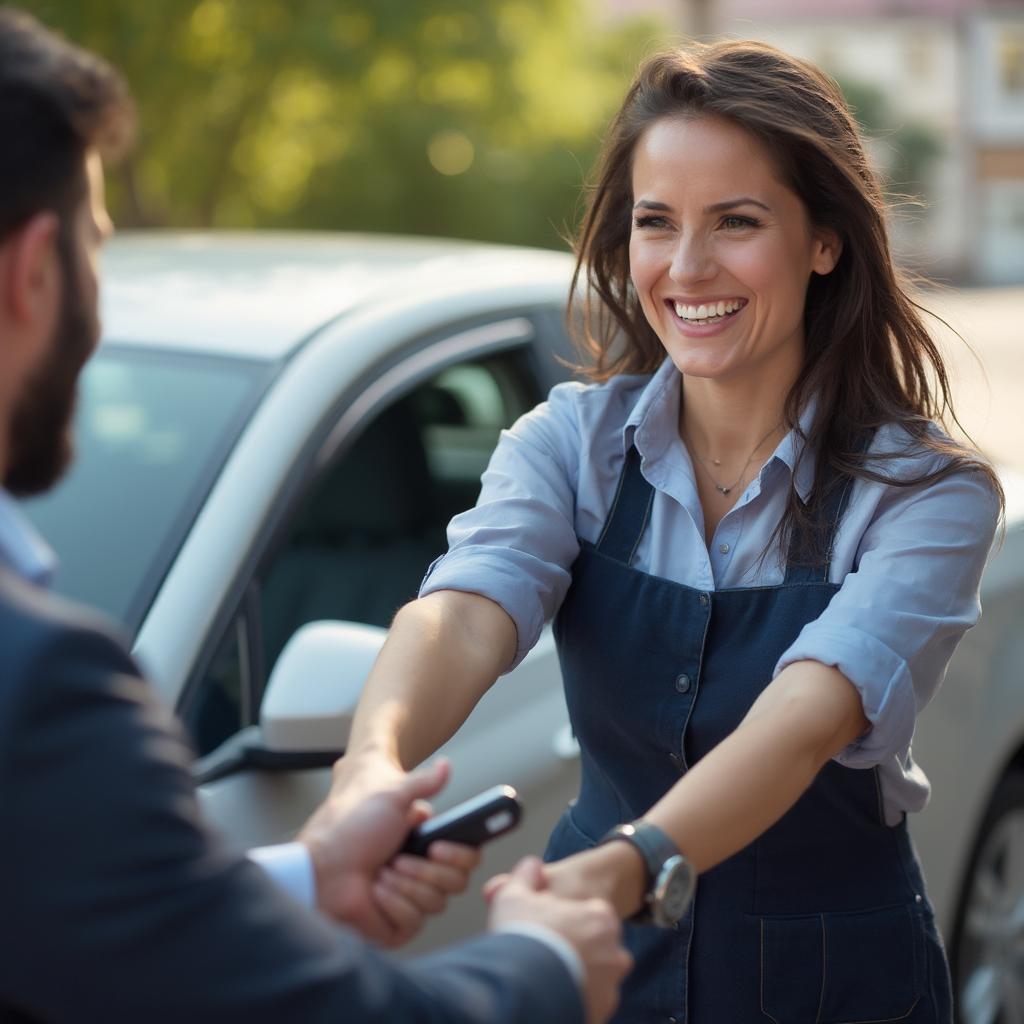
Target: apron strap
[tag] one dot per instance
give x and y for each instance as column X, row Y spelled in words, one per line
column 798, row 567
column 630, row 511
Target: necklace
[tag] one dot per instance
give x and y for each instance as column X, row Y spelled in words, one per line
column 743, row 472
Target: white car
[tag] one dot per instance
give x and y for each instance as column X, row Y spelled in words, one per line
column 273, row 435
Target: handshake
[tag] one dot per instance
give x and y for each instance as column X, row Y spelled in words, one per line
column 353, row 839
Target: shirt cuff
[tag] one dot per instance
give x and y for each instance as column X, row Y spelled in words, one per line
column 562, row 948
column 509, row 578
column 880, row 676
column 291, row 868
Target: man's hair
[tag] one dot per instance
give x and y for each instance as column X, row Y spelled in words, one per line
column 56, row 101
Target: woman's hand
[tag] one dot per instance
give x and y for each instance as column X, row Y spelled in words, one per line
column 613, row 871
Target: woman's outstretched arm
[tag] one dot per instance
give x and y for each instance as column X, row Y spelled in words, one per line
column 849, row 687
column 442, row 654
column 807, row 715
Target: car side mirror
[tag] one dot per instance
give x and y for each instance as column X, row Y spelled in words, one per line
column 315, row 685
column 308, row 705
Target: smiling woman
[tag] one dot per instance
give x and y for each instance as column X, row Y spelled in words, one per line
column 753, row 251
column 721, row 272
column 759, row 548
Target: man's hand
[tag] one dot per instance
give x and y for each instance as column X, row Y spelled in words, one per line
column 589, row 925
column 358, row 830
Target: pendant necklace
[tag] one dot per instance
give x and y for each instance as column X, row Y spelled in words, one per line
column 726, row 490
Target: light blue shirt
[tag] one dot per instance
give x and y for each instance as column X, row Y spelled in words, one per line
column 908, row 560
column 22, row 548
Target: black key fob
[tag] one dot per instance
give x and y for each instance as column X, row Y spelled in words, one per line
column 471, row 823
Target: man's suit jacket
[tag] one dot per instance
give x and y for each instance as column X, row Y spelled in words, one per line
column 118, row 904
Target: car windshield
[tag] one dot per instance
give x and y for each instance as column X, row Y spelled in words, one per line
column 152, row 431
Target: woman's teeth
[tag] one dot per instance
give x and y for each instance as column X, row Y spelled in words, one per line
column 707, row 313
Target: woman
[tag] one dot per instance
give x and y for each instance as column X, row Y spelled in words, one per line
column 760, row 549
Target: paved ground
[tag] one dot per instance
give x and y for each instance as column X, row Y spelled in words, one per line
column 988, row 386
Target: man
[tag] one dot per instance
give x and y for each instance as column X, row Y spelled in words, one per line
column 118, row 903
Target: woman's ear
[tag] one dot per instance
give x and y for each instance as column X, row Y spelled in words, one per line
column 828, row 247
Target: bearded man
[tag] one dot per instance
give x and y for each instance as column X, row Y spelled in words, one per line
column 119, row 903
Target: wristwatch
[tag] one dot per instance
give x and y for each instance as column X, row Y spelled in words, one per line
column 669, row 880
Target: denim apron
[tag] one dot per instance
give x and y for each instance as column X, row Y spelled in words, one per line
column 821, row 920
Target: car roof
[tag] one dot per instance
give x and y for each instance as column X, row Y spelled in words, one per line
column 258, row 295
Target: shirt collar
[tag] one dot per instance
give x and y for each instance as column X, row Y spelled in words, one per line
column 653, row 424
column 792, row 451
column 654, row 421
column 22, row 548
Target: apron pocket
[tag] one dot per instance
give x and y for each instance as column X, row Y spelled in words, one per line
column 851, row 968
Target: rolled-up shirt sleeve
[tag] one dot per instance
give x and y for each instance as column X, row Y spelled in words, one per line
column 516, row 546
column 896, row 620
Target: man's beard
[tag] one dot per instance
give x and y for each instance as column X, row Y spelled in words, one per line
column 41, row 443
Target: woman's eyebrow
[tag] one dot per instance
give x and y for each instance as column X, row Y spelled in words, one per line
column 728, row 204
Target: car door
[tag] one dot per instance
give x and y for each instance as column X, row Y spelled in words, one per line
column 400, row 459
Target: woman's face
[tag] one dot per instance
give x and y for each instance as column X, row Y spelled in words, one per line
column 721, row 251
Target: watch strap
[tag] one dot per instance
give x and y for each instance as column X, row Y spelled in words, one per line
column 654, row 846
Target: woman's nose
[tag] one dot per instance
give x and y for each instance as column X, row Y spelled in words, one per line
column 692, row 260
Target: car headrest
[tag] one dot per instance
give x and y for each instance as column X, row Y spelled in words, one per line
column 380, row 489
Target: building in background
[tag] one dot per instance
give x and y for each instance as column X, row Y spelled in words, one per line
column 940, row 86
column 995, row 42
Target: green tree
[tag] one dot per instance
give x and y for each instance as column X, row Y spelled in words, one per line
column 472, row 118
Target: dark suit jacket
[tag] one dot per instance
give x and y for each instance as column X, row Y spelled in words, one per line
column 118, row 904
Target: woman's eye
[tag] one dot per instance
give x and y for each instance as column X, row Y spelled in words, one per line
column 648, row 222
column 735, row 222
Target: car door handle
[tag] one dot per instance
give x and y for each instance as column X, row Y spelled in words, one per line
column 565, row 743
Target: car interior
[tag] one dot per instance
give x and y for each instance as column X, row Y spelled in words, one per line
column 370, row 527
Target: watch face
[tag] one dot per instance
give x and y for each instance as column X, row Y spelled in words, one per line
column 673, row 891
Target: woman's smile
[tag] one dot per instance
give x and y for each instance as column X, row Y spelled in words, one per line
column 702, row 318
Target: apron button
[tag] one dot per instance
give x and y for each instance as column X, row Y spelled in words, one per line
column 677, row 762
column 704, row 600
column 683, row 683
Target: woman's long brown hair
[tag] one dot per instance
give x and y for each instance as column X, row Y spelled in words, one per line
column 869, row 358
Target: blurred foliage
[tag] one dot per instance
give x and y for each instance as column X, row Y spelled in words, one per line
column 905, row 152
column 468, row 118
column 472, row 118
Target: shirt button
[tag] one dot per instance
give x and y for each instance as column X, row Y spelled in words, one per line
column 704, row 600
column 683, row 683
column 724, row 548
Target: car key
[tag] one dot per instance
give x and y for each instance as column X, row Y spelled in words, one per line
column 474, row 822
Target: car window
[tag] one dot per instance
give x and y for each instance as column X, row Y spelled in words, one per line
column 359, row 544
column 221, row 704
column 152, row 430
